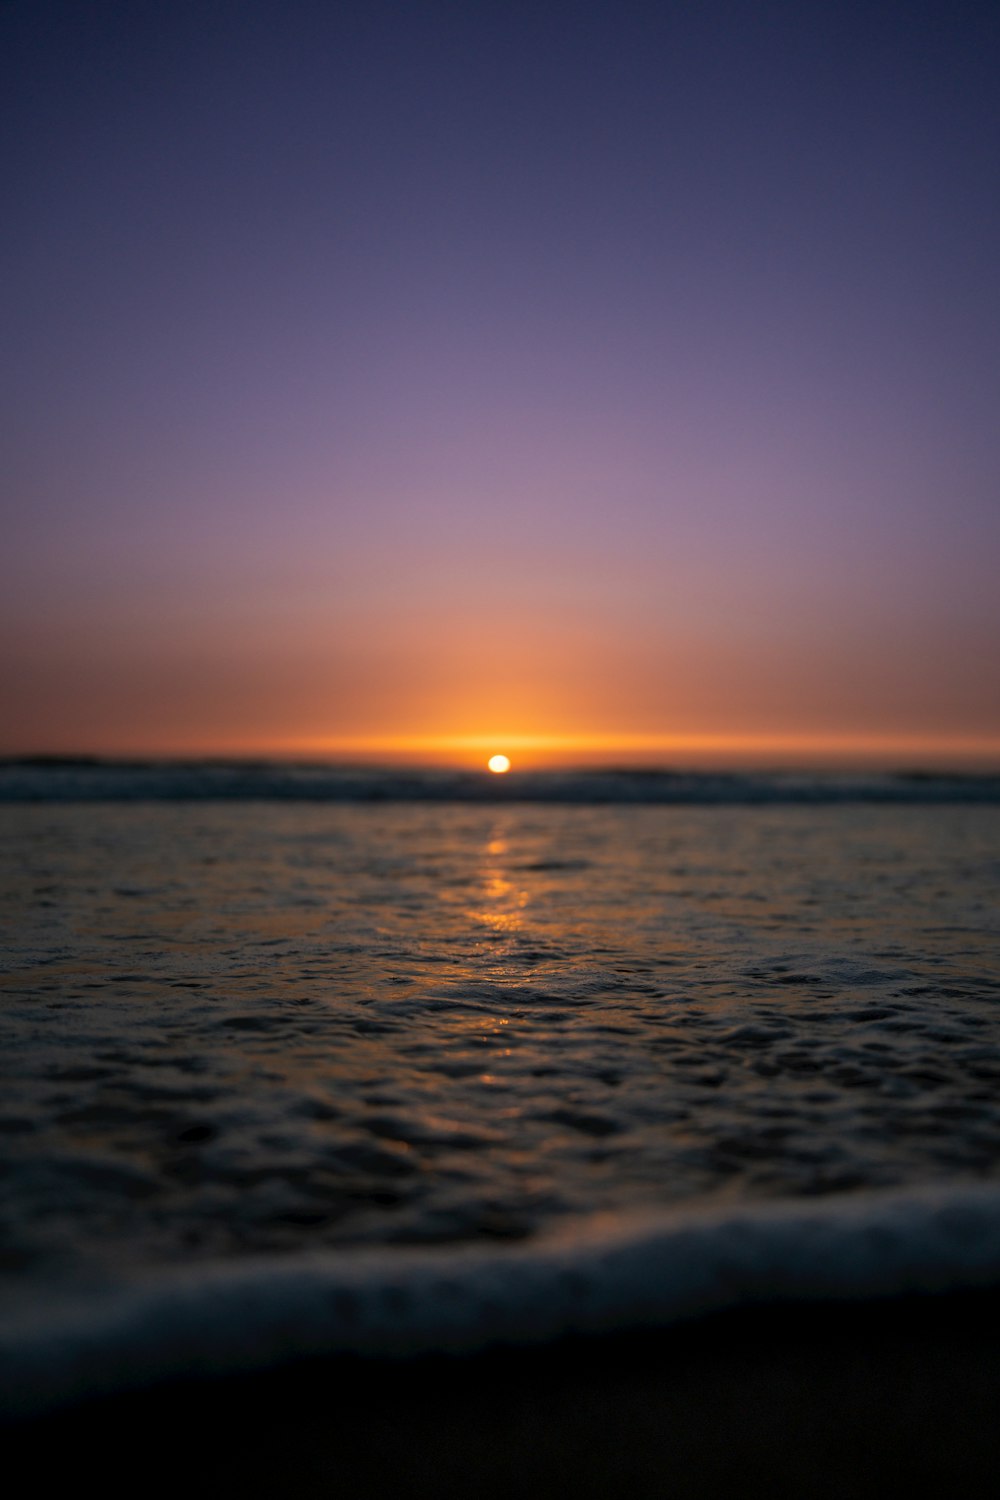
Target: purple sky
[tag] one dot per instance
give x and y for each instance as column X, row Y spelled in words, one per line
column 382, row 372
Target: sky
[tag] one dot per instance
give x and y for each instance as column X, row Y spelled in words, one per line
column 584, row 380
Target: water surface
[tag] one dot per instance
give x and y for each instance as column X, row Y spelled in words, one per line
column 269, row 1026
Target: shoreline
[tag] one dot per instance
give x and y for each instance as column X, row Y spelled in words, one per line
column 819, row 1400
column 595, row 1278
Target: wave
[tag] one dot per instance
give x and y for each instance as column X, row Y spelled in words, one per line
column 84, row 779
column 597, row 1276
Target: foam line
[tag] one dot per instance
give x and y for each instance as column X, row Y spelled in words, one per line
column 595, row 1276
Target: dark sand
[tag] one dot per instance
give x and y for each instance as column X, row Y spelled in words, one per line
column 831, row 1401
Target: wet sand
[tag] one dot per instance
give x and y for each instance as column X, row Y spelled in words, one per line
column 815, row 1401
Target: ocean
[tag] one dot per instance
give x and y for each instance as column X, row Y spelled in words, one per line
column 304, row 1061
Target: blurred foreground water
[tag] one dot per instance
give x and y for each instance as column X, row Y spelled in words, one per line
column 268, row 1026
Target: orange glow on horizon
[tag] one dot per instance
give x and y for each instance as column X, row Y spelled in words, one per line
column 540, row 750
column 718, row 750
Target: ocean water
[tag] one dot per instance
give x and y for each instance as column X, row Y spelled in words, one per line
column 258, row 1052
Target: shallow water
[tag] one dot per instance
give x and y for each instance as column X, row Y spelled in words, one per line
column 258, row 1027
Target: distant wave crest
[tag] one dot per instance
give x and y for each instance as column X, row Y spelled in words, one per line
column 54, row 779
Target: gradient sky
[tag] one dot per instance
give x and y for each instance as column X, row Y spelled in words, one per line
column 382, row 375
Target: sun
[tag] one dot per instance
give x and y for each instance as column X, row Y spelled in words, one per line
column 498, row 763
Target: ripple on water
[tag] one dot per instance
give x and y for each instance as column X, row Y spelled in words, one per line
column 241, row 1028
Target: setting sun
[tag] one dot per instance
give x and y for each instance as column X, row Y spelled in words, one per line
column 498, row 763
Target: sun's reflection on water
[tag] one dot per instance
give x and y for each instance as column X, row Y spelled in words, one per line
column 502, row 902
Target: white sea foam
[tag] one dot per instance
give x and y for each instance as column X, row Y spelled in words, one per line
column 593, row 1276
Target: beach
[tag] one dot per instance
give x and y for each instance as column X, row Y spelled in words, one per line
column 691, row 1103
column 500, row 751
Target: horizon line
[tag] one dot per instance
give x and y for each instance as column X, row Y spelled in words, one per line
column 547, row 750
